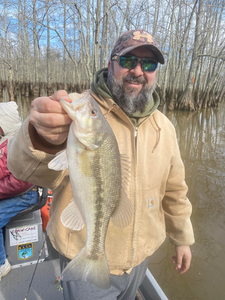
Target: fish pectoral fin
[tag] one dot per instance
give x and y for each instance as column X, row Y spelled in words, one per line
column 60, row 162
column 84, row 163
column 123, row 213
column 71, row 217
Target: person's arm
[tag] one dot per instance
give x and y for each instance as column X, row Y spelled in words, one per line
column 10, row 187
column 177, row 210
column 41, row 136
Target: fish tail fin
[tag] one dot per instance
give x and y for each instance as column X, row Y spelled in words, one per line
column 82, row 267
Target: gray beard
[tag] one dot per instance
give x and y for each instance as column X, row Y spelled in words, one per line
column 129, row 101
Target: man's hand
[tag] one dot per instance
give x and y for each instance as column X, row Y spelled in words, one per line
column 49, row 118
column 182, row 259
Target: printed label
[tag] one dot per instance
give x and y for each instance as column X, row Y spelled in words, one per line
column 23, row 235
column 25, row 251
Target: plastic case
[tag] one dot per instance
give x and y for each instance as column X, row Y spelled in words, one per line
column 24, row 240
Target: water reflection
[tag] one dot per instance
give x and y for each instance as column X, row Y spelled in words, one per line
column 23, row 106
column 201, row 136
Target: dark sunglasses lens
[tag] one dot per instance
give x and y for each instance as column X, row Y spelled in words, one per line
column 128, row 62
column 149, row 65
column 131, row 62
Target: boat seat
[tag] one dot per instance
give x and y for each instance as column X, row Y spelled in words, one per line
column 43, row 196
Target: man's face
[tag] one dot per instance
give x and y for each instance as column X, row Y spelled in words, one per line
column 131, row 88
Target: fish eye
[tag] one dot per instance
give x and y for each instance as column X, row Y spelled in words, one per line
column 93, row 112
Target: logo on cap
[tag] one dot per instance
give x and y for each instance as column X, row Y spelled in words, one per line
column 146, row 35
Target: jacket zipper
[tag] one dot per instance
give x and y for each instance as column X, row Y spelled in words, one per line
column 135, row 133
column 135, row 178
column 135, row 198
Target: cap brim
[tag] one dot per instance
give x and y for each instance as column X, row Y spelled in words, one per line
column 157, row 52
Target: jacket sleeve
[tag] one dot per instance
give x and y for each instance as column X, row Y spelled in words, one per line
column 29, row 164
column 10, row 187
column 177, row 208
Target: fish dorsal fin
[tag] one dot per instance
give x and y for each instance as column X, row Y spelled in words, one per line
column 59, row 162
column 71, row 217
column 125, row 171
column 84, row 163
column 123, row 213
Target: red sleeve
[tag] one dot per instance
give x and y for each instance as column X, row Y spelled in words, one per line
column 10, row 186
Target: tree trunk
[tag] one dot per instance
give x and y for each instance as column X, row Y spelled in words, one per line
column 156, row 16
column 48, row 47
column 64, row 50
column 104, row 39
column 97, row 34
column 170, row 106
column 8, row 62
column 185, row 102
column 35, row 42
column 178, row 72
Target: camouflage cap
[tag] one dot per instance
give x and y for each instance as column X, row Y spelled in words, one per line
column 132, row 39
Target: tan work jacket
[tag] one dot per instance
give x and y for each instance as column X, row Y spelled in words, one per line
column 156, row 189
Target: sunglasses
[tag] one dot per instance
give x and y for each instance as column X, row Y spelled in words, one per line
column 130, row 62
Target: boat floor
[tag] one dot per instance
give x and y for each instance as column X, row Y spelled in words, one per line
column 15, row 284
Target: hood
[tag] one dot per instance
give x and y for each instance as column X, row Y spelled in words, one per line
column 99, row 87
column 9, row 118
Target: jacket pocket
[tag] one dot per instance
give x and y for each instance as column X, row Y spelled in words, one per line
column 152, row 206
column 152, row 220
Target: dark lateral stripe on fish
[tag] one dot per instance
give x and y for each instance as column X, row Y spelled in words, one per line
column 99, row 214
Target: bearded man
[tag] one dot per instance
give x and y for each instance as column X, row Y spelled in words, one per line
column 157, row 189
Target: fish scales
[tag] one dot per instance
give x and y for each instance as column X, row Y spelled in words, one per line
column 104, row 181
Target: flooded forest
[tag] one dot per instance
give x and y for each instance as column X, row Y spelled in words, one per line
column 50, row 45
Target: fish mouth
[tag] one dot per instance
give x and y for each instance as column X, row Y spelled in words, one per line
column 77, row 105
column 80, row 103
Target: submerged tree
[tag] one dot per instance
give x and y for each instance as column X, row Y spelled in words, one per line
column 186, row 101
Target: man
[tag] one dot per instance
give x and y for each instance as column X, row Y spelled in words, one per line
column 157, row 190
column 15, row 195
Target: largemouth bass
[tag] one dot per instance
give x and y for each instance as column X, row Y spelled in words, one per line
column 94, row 163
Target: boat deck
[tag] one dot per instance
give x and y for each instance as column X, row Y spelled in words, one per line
column 14, row 286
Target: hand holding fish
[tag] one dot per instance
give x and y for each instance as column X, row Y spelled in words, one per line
column 50, row 119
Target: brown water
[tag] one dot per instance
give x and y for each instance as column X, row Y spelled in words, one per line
column 201, row 137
